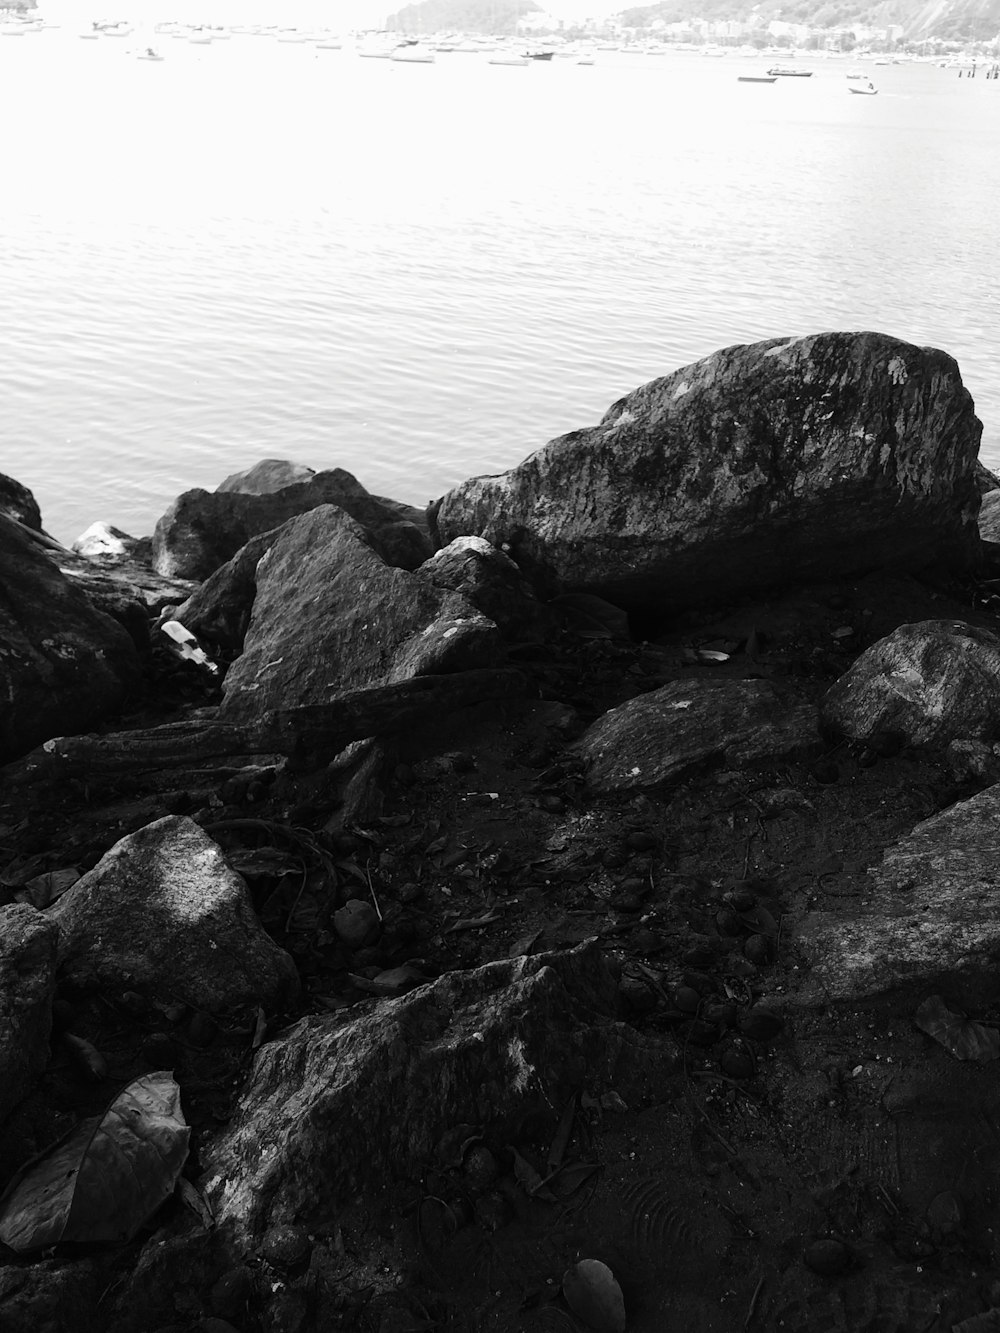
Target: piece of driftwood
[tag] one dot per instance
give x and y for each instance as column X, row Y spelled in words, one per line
column 309, row 732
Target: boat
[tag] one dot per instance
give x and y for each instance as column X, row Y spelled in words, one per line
column 856, row 74
column 411, row 53
column 757, row 78
column 790, row 72
column 539, row 55
column 149, row 54
column 507, row 58
column 862, row 89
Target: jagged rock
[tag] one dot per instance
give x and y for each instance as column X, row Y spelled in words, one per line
column 17, row 502
column 986, row 480
column 267, row 476
column 162, row 913
column 101, row 541
column 927, row 684
column 778, row 462
column 219, row 610
column 203, row 529
column 663, row 735
column 989, row 517
column 53, row 1296
column 492, row 583
column 932, row 918
column 28, row 944
column 331, row 615
column 64, row 667
column 477, row 1047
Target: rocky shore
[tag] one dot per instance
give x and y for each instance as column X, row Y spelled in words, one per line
column 571, row 907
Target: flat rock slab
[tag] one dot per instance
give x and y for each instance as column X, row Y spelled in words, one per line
column 162, row 913
column 28, row 948
column 929, row 683
column 664, row 735
column 330, row 615
column 337, row 1106
column 932, row 919
column 778, row 462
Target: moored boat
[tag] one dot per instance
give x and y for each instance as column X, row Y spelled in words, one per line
column 790, row 72
column 757, row 78
column 862, row 89
column 507, row 58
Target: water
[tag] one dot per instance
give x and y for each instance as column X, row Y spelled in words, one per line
column 419, row 273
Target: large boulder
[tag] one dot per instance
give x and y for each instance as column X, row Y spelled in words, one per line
column 203, row 529
column 493, row 584
column 28, row 944
column 163, row 913
column 330, row 615
column 671, row 732
column 931, row 920
column 267, row 476
column 64, row 666
column 989, row 517
column 930, row 683
column 219, row 609
column 335, row 1106
column 787, row 460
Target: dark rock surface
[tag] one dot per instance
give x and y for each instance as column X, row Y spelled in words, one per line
column 331, row 615
column 64, row 666
column 473, row 1046
column 164, row 914
column 219, row 609
column 17, row 502
column 926, row 684
column 494, row 585
column 28, row 944
column 930, row 918
column 668, row 733
column 203, row 529
column 989, row 517
column 267, row 476
column 786, row 460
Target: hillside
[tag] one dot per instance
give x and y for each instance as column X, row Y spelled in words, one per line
column 962, row 20
column 487, row 16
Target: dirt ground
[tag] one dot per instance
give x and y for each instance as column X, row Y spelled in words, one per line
column 774, row 1168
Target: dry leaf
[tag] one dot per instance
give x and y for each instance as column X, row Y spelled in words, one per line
column 101, row 1181
column 86, row 1056
column 594, row 1296
column 570, row 1178
column 259, row 1029
column 962, row 1037
column 45, row 889
column 528, row 1178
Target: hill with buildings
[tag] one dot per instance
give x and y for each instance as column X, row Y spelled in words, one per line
column 857, row 21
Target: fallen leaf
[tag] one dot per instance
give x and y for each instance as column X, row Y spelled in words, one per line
column 561, row 1137
column 528, row 1178
column 594, row 1296
column 86, row 1056
column 961, row 1037
column 102, row 1180
column 570, row 1178
column 259, row 1029
column 45, row 889
column 472, row 922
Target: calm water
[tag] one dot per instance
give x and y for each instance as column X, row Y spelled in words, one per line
column 423, row 272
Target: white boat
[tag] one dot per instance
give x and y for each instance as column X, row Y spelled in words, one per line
column 507, row 58
column 200, row 38
column 410, row 53
column 862, row 89
column 148, row 54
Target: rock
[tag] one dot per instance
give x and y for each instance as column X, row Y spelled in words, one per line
column 64, row 667
column 330, row 615
column 162, row 913
column 989, row 517
column 220, row 608
column 663, row 735
column 985, row 480
column 357, row 923
column 52, row 1296
column 17, row 502
column 786, row 460
column 28, row 945
column 202, row 530
column 475, row 1047
column 927, row 684
column 112, row 581
column 932, row 920
column 493, row 584
column 101, row 541
column 267, row 476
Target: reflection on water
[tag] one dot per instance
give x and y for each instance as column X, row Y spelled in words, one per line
column 422, row 272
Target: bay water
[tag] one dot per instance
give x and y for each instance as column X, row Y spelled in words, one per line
column 260, row 249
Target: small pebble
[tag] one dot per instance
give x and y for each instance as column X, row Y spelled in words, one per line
column 827, row 1257
column 740, row 900
column 410, row 892
column 356, row 923
column 825, row 772
column 761, row 1023
column 640, row 842
column 232, row 1293
column 737, row 1063
column 480, row 1168
column 687, row 999
column 551, row 804
column 728, row 923
column 759, row 949
column 639, row 997
column 286, row 1246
